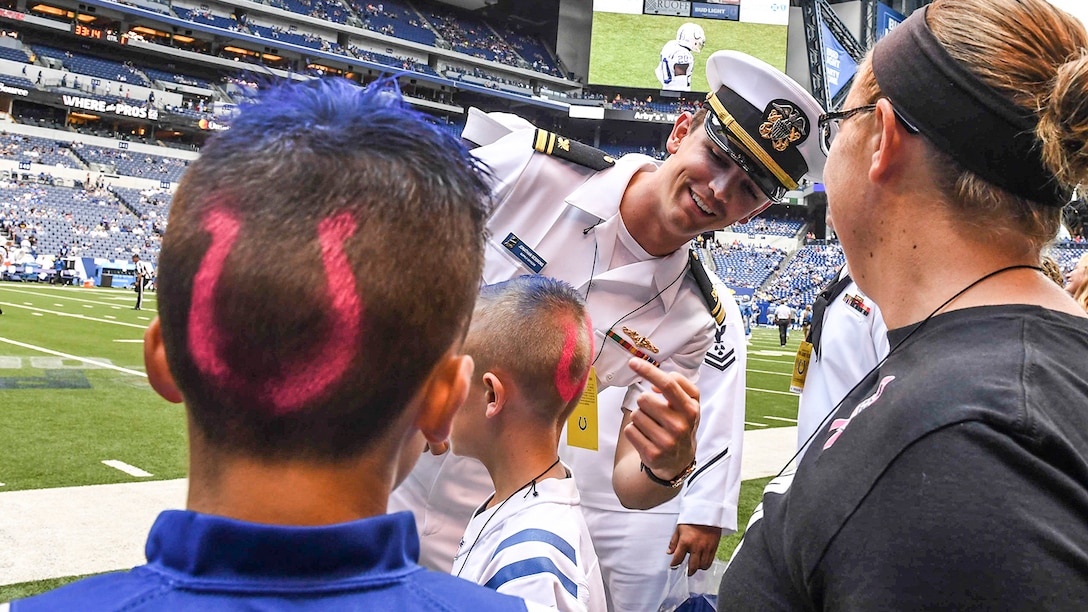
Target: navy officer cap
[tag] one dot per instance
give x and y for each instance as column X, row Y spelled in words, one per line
column 765, row 121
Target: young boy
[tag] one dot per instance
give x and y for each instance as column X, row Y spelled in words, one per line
column 310, row 349
column 532, row 342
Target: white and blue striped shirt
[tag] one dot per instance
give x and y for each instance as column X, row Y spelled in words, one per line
column 536, row 547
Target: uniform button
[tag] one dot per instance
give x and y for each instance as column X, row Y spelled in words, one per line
column 609, row 377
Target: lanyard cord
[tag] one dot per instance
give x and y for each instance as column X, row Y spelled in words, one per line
column 531, row 485
column 916, row 329
column 644, row 304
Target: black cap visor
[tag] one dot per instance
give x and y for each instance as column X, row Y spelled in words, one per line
column 767, row 183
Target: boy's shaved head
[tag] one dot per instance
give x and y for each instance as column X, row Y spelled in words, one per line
column 537, row 330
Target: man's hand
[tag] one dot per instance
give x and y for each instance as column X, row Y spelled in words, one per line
column 699, row 543
column 662, row 430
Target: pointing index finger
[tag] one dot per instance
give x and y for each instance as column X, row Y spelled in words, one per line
column 676, row 389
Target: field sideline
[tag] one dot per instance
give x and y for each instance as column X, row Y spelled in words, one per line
column 78, row 411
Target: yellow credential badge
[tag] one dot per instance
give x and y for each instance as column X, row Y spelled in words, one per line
column 582, row 424
column 800, row 367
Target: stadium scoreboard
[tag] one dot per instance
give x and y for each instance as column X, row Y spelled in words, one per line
column 634, row 42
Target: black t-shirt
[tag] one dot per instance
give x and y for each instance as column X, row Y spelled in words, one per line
column 954, row 477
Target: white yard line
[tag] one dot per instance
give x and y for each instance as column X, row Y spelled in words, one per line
column 786, row 419
column 67, row 356
column 131, row 298
column 769, row 372
column 131, row 470
column 756, row 424
column 77, row 316
column 140, row 340
column 750, row 358
column 769, row 391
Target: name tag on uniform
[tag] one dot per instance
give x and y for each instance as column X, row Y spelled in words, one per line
column 524, row 254
column 582, row 424
column 800, row 367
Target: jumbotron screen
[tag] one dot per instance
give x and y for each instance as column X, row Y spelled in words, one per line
column 655, row 44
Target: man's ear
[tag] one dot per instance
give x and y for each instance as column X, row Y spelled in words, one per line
column 496, row 394
column 680, row 130
column 158, row 370
column 443, row 395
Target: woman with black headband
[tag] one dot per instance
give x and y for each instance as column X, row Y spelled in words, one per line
column 955, row 475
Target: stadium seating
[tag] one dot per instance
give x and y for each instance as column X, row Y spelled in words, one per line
column 130, row 163
column 394, row 18
column 93, row 66
column 769, row 226
column 811, row 268
column 37, row 150
column 160, row 75
column 328, row 10
column 90, row 223
column 740, row 265
column 15, row 55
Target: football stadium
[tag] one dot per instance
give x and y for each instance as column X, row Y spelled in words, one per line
column 106, row 106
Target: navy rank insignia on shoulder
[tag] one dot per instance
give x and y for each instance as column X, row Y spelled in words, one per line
column 706, row 289
column 573, row 151
column 783, row 124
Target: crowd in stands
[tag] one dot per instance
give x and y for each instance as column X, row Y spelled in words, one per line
column 318, row 9
column 768, row 226
column 89, row 222
column 744, row 265
column 649, row 104
column 811, row 268
column 35, row 150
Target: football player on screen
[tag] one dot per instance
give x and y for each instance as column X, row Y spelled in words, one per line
column 678, row 59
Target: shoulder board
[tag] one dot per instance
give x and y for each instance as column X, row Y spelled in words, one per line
column 706, row 288
column 573, row 151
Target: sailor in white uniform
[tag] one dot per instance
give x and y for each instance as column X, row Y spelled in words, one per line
column 618, row 231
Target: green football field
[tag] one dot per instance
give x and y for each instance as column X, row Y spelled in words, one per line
column 73, row 395
column 625, row 49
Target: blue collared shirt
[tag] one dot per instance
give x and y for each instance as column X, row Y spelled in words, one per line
column 214, row 563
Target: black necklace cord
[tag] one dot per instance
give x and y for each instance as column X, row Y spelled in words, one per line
column 531, row 485
column 899, row 344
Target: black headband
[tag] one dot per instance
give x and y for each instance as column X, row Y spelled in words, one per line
column 980, row 128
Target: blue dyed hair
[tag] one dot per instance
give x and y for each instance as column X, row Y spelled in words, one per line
column 296, row 154
column 335, row 116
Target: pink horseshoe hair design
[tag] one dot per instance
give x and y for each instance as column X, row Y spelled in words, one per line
column 567, row 385
column 302, row 381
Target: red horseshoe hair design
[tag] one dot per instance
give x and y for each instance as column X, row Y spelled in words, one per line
column 567, row 385
column 301, row 381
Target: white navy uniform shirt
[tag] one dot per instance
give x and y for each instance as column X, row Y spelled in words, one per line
column 711, row 493
column 851, row 344
column 569, row 216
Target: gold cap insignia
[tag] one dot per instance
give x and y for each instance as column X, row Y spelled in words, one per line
column 783, row 125
column 640, row 340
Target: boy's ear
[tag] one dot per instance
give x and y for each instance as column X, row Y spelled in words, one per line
column 497, row 394
column 158, row 370
column 443, row 395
